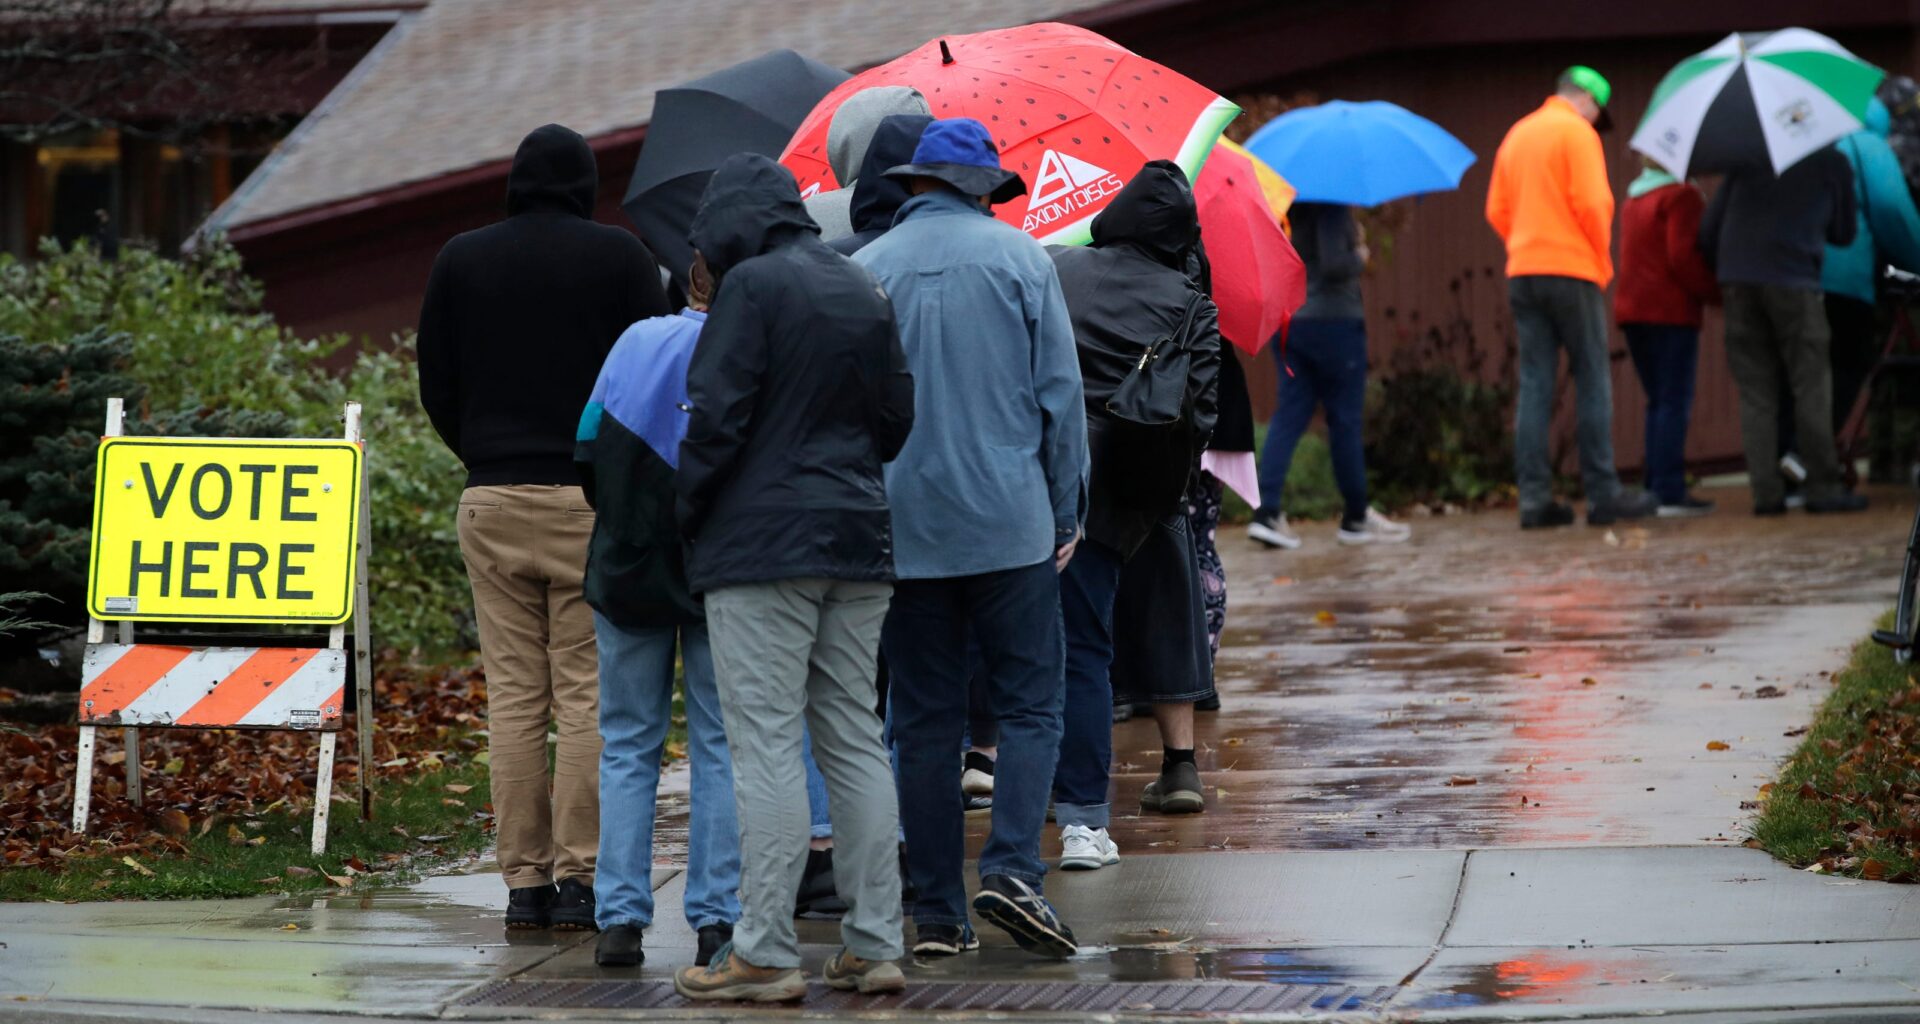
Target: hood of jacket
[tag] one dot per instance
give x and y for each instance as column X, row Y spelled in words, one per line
column 876, row 197
column 850, row 133
column 554, row 168
column 1154, row 213
column 751, row 205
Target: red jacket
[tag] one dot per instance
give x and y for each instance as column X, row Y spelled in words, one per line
column 1663, row 277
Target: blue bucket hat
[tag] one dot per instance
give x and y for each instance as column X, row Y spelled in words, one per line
column 959, row 151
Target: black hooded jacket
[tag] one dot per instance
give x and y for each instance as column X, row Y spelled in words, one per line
column 519, row 315
column 876, row 197
column 1125, row 292
column 800, row 393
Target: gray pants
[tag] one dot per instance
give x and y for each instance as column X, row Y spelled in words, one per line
column 1550, row 314
column 781, row 650
column 1777, row 335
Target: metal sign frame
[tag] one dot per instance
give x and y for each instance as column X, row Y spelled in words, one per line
column 362, row 670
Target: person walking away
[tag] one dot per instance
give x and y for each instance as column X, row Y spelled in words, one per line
column 987, row 497
column 1766, row 238
column 800, row 393
column 1886, row 230
column 627, row 448
column 1664, row 282
column 1129, row 297
column 517, row 318
column 1551, row 205
column 875, row 198
column 1323, row 363
column 849, row 138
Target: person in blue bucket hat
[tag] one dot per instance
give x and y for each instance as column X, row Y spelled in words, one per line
column 988, row 497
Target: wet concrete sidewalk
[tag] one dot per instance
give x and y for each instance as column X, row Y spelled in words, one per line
column 1345, row 867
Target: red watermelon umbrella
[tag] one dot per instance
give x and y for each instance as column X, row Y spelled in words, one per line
column 1258, row 278
column 1075, row 114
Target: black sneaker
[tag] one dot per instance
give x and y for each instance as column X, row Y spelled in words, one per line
column 573, row 906
column 1178, row 790
column 619, row 946
column 937, row 940
column 1550, row 514
column 711, row 938
column 530, row 906
column 1688, row 507
column 1638, row 506
column 1018, row 909
column 817, row 894
column 1843, row 502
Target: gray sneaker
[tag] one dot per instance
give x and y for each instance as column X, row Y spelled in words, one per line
column 1178, row 790
column 1638, row 505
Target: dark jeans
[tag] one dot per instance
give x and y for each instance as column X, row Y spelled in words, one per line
column 1777, row 337
column 1324, row 363
column 1666, row 356
column 1549, row 314
column 1086, row 744
column 1016, row 617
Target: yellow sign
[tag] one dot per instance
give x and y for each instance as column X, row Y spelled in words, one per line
column 224, row 530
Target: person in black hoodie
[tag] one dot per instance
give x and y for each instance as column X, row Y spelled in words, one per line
column 516, row 321
column 800, row 394
column 1126, row 292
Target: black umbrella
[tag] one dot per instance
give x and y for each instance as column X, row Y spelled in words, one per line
column 751, row 107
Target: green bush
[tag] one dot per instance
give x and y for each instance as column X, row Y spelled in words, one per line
column 194, row 344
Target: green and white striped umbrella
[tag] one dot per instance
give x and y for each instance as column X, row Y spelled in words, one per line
column 1756, row 99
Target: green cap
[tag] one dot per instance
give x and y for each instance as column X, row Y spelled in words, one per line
column 1590, row 80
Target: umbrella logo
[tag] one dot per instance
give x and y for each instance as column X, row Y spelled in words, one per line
column 1066, row 184
column 810, row 191
column 1794, row 117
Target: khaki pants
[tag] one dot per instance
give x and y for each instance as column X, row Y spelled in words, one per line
column 526, row 554
column 1777, row 337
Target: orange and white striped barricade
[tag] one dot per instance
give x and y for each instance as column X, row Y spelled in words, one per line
column 229, row 531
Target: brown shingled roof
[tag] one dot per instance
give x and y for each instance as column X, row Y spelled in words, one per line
column 459, row 83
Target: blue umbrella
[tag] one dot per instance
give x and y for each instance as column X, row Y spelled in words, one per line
column 1360, row 154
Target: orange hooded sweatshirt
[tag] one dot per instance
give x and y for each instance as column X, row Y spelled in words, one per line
column 1549, row 200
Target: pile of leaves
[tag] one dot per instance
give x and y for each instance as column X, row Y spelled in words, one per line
column 1848, row 802
column 251, row 790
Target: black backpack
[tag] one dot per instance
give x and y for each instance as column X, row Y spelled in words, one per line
column 1152, row 427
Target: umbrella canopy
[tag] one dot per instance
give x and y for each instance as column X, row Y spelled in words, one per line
column 1258, row 279
column 1756, row 100
column 1279, row 192
column 751, row 107
column 1360, row 154
column 1073, row 113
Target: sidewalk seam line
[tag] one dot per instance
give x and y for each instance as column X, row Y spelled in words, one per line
column 1459, row 890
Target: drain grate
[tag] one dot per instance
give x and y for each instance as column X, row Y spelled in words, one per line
column 1196, row 998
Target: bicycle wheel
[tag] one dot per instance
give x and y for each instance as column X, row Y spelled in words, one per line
column 1906, row 615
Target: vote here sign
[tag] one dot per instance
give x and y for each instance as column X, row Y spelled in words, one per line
column 224, row 530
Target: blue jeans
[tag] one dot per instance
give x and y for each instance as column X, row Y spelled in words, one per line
column 1015, row 614
column 1665, row 356
column 1549, row 314
column 636, row 705
column 819, row 820
column 1087, row 590
column 1324, row 364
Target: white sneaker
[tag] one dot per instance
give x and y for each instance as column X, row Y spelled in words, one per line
column 974, row 782
column 1274, row 533
column 1376, row 529
column 1086, row 849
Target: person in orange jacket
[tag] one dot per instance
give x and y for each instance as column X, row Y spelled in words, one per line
column 1551, row 204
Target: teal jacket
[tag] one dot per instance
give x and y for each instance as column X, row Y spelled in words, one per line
column 994, row 476
column 1889, row 225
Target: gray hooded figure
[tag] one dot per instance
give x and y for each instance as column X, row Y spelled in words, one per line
column 848, row 136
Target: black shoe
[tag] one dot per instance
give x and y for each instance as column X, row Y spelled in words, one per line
column 530, row 906
column 1772, row 508
column 817, row 894
column 619, row 946
column 1551, row 514
column 1178, row 790
column 936, row 940
column 1211, row 702
column 1641, row 505
column 711, row 937
column 1688, row 507
column 573, row 906
column 1843, row 502
column 1018, row 909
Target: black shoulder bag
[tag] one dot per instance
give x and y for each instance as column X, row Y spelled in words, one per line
column 1147, row 460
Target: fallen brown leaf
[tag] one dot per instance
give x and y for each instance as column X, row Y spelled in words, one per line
column 1463, row 780
column 1325, row 618
column 1717, row 745
column 143, row 870
column 173, row 821
column 458, row 787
